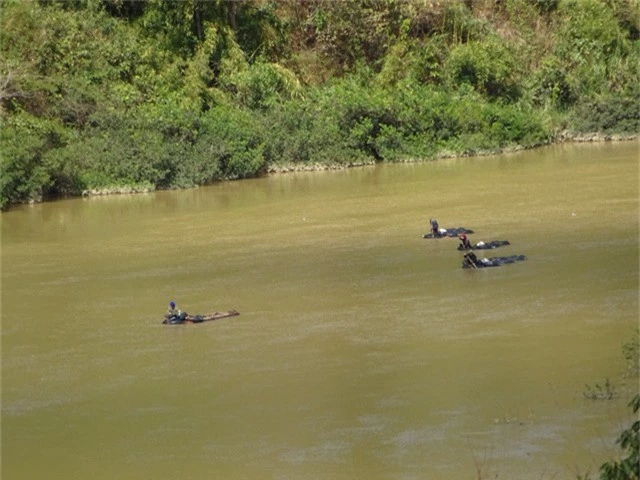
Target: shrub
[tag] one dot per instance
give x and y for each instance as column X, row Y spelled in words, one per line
column 608, row 114
column 234, row 140
column 460, row 25
column 308, row 131
column 24, row 140
column 263, row 85
column 627, row 468
column 489, row 66
column 553, row 85
column 588, row 32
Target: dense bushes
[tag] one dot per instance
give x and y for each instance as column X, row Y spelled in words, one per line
column 353, row 121
column 24, row 144
column 490, row 67
column 609, row 114
column 104, row 95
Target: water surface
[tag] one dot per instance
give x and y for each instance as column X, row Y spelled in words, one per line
column 362, row 350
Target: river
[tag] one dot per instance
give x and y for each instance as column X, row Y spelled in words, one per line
column 362, row 350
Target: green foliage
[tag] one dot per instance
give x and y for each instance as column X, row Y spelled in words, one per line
column 354, row 32
column 356, row 121
column 545, row 6
column 260, row 31
column 24, row 140
column 172, row 24
column 524, row 16
column 414, row 62
column 66, row 63
column 588, row 31
column 308, row 131
column 130, row 9
column 609, row 113
column 552, row 85
column 97, row 94
column 605, row 391
column 627, row 468
column 167, row 147
column 489, row 66
column 631, row 353
column 234, row 141
column 263, row 85
column 460, row 25
column 590, row 43
column 627, row 13
column 55, row 42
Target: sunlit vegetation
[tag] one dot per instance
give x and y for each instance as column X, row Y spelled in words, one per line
column 625, row 466
column 100, row 94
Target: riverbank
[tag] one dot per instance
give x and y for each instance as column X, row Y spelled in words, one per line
column 119, row 190
column 563, row 137
column 340, row 85
column 146, row 187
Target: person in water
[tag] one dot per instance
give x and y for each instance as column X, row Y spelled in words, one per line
column 470, row 260
column 464, row 242
column 174, row 315
column 172, row 311
column 434, row 227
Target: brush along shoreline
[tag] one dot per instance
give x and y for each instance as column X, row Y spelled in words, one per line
column 288, row 167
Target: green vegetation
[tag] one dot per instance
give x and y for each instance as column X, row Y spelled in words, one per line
column 627, row 466
column 631, row 353
column 604, row 391
column 101, row 95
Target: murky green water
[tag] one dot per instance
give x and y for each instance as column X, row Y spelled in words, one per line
column 362, row 350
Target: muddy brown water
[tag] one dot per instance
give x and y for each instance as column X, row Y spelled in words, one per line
column 362, row 350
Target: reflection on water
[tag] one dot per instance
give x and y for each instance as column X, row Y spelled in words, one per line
column 362, row 350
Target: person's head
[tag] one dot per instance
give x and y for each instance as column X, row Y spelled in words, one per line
column 172, row 304
column 462, row 236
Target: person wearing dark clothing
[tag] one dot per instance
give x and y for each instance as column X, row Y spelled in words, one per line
column 470, row 260
column 434, row 227
column 464, row 241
